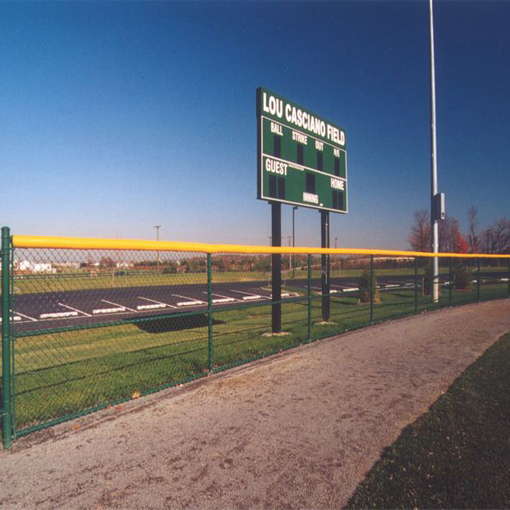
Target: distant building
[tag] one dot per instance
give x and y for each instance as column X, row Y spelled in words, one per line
column 24, row 265
column 42, row 267
column 124, row 265
column 38, row 267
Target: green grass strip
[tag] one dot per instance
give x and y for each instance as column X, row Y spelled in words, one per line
column 457, row 455
column 61, row 373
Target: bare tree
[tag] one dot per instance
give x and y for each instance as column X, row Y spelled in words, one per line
column 497, row 237
column 448, row 234
column 451, row 239
column 473, row 238
column 419, row 238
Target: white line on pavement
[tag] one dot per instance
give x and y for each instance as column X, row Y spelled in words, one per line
column 27, row 317
column 249, row 295
column 222, row 299
column 151, row 307
column 75, row 309
column 15, row 318
column 117, row 304
column 190, row 302
column 108, row 310
column 157, row 302
column 57, row 315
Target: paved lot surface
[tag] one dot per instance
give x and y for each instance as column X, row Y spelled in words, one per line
column 35, row 311
column 298, row 430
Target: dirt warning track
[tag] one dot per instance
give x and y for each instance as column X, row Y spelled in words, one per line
column 297, row 430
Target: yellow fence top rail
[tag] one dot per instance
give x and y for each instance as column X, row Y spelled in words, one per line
column 80, row 243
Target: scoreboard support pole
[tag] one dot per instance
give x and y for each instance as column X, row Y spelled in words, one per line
column 325, row 266
column 276, row 258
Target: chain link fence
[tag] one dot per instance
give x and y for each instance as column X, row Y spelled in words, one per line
column 84, row 329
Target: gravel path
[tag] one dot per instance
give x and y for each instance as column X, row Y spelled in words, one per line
column 298, row 430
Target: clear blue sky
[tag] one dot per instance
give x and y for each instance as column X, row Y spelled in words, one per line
column 117, row 116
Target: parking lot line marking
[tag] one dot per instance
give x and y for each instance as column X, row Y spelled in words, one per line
column 16, row 319
column 190, row 303
column 248, row 295
column 109, row 310
column 191, row 300
column 286, row 294
column 153, row 306
column 75, row 309
column 26, row 316
column 57, row 315
column 117, row 304
column 157, row 302
column 223, row 299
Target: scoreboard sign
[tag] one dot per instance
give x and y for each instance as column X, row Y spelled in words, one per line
column 302, row 158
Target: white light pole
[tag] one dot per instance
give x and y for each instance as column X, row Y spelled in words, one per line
column 433, row 166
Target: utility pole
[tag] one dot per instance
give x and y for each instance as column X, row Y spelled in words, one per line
column 338, row 261
column 433, row 166
column 157, row 227
column 294, row 209
column 289, row 238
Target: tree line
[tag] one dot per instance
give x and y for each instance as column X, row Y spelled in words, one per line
column 494, row 239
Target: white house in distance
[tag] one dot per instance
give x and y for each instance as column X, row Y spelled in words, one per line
column 37, row 267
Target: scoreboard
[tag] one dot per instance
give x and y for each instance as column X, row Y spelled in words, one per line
column 302, row 158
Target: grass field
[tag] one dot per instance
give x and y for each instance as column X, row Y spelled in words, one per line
column 457, row 455
column 62, row 373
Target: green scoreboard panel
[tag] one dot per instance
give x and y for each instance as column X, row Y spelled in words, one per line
column 302, row 158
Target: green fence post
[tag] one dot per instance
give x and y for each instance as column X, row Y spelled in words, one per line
column 450, row 281
column 209, row 314
column 415, row 285
column 6, row 339
column 478, row 279
column 371, row 289
column 12, row 342
column 309, row 292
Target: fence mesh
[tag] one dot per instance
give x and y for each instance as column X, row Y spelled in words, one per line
column 98, row 327
column 92, row 328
